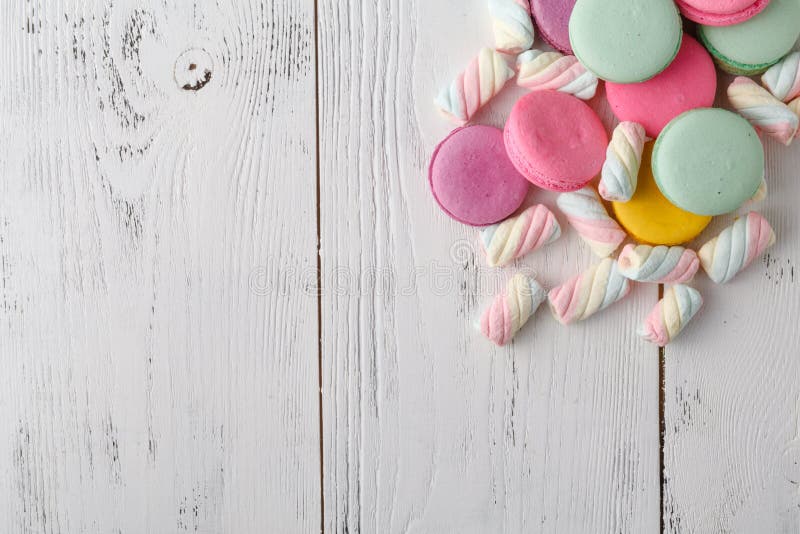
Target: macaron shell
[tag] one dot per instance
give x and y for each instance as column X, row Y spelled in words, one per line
column 721, row 13
column 555, row 140
column 758, row 43
column 652, row 219
column 719, row 7
column 552, row 21
column 623, row 41
column 689, row 82
column 472, row 178
column 708, row 161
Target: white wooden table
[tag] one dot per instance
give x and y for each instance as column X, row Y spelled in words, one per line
column 175, row 355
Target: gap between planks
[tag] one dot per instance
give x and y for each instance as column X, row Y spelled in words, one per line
column 662, row 422
column 319, row 273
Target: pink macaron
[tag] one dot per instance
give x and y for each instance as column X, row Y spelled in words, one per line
column 555, row 140
column 552, row 21
column 689, row 82
column 721, row 12
column 472, row 178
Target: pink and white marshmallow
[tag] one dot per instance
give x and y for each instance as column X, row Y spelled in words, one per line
column 671, row 315
column 517, row 236
column 783, row 78
column 765, row 112
column 733, row 250
column 485, row 76
column 594, row 290
column 510, row 310
column 658, row 265
column 513, row 26
column 586, row 213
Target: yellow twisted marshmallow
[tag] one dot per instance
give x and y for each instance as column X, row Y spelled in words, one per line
column 551, row 70
column 736, row 247
column 620, row 174
column 671, row 315
column 794, row 105
column 513, row 27
column 509, row 312
column 517, row 236
column 586, row 294
column 763, row 110
column 761, row 193
column 485, row 76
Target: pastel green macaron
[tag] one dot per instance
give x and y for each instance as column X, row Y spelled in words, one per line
column 753, row 46
column 624, row 41
column 708, row 161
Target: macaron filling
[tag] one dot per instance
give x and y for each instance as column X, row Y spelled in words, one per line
column 758, row 43
column 721, row 13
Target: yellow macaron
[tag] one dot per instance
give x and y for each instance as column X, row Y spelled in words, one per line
column 652, row 219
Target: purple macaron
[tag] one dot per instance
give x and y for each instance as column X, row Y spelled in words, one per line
column 552, row 20
column 472, row 178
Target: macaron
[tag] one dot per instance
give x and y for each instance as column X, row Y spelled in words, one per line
column 652, row 219
column 552, row 21
column 625, row 42
column 754, row 45
column 721, row 12
column 689, row 82
column 708, row 161
column 472, row 178
column 555, row 140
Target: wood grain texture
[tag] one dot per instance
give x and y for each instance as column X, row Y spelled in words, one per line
column 732, row 384
column 159, row 333
column 158, row 315
column 426, row 427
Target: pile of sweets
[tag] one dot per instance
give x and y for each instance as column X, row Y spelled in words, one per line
column 654, row 184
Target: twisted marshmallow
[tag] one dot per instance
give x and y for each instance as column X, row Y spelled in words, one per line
column 671, row 315
column 761, row 193
column 510, row 311
column 794, row 105
column 517, row 236
column 551, row 70
column 763, row 110
column 484, row 78
column 513, row 27
column 589, row 217
column 658, row 265
column 586, row 294
column 623, row 158
column 736, row 247
column 783, row 79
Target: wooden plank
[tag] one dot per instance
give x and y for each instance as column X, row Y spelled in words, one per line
column 158, row 326
column 732, row 388
column 427, row 428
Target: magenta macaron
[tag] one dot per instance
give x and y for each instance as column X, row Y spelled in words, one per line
column 555, row 140
column 552, row 21
column 472, row 178
column 721, row 12
column 689, row 82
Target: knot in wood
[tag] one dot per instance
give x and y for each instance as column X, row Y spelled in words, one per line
column 194, row 69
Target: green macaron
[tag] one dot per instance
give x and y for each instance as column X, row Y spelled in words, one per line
column 708, row 161
column 751, row 47
column 623, row 41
